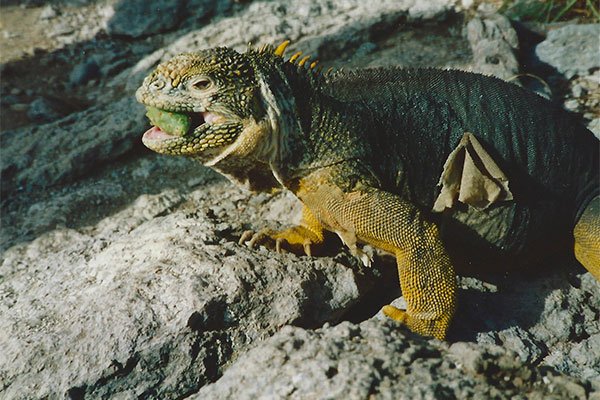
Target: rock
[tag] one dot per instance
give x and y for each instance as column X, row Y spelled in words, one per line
column 121, row 276
column 72, row 146
column 114, row 68
column 200, row 9
column 31, row 3
column 49, row 12
column 161, row 304
column 518, row 340
column 494, row 43
column 10, row 100
column 136, row 18
column 571, row 50
column 84, row 72
column 47, row 109
column 383, row 360
column 594, row 126
column 319, row 27
column 572, row 104
column 577, row 90
column 364, row 49
column 61, row 29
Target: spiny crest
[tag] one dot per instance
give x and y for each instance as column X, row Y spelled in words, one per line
column 279, row 51
column 222, row 60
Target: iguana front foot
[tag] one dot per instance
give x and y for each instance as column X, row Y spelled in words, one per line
column 299, row 238
column 296, row 238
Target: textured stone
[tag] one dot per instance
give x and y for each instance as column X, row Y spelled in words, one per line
column 137, row 18
column 44, row 109
column 84, row 72
column 70, row 147
column 571, row 50
column 494, row 43
column 383, row 360
column 319, row 27
column 161, row 303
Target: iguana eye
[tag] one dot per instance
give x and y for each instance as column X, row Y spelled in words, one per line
column 158, row 84
column 201, row 84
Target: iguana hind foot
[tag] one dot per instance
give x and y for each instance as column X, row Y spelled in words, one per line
column 433, row 327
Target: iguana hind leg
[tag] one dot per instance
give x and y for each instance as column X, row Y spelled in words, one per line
column 392, row 224
column 587, row 238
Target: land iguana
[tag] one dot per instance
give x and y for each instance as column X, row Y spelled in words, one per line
column 442, row 168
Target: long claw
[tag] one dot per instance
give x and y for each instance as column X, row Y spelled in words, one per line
column 366, row 260
column 307, row 249
column 257, row 237
column 278, row 245
column 245, row 236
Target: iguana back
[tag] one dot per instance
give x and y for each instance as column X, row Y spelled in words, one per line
column 419, row 116
column 423, row 113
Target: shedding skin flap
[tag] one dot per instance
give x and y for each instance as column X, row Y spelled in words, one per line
column 470, row 176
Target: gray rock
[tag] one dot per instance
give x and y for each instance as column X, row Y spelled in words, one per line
column 136, row 18
column 577, row 90
column 49, row 12
column 200, row 9
column 9, row 100
column 111, row 69
column 494, row 43
column 161, row 304
column 61, row 29
column 520, row 341
column 383, row 360
column 71, row 146
column 572, row 105
column 594, row 126
column 121, row 277
column 319, row 27
column 45, row 109
column 84, row 72
column 571, row 50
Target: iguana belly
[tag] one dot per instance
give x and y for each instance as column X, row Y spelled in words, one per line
column 504, row 235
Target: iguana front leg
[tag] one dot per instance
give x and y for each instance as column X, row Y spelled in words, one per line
column 303, row 236
column 392, row 224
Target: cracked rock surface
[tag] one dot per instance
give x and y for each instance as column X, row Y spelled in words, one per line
column 120, row 272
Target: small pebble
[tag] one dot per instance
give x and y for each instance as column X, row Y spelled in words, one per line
column 572, row 104
column 577, row 90
column 49, row 12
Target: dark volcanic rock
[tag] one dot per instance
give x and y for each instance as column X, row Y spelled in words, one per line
column 43, row 155
column 137, row 18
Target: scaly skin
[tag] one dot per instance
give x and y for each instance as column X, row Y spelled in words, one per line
column 364, row 152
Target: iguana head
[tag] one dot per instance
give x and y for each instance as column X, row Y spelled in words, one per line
column 199, row 102
column 243, row 114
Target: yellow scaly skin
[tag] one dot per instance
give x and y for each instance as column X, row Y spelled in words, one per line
column 384, row 220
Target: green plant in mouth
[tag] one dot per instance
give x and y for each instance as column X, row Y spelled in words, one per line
column 170, row 122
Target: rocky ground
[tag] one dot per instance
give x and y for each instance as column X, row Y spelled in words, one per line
column 121, row 275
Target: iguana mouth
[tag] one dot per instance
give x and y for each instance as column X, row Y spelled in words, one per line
column 171, row 125
column 189, row 133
